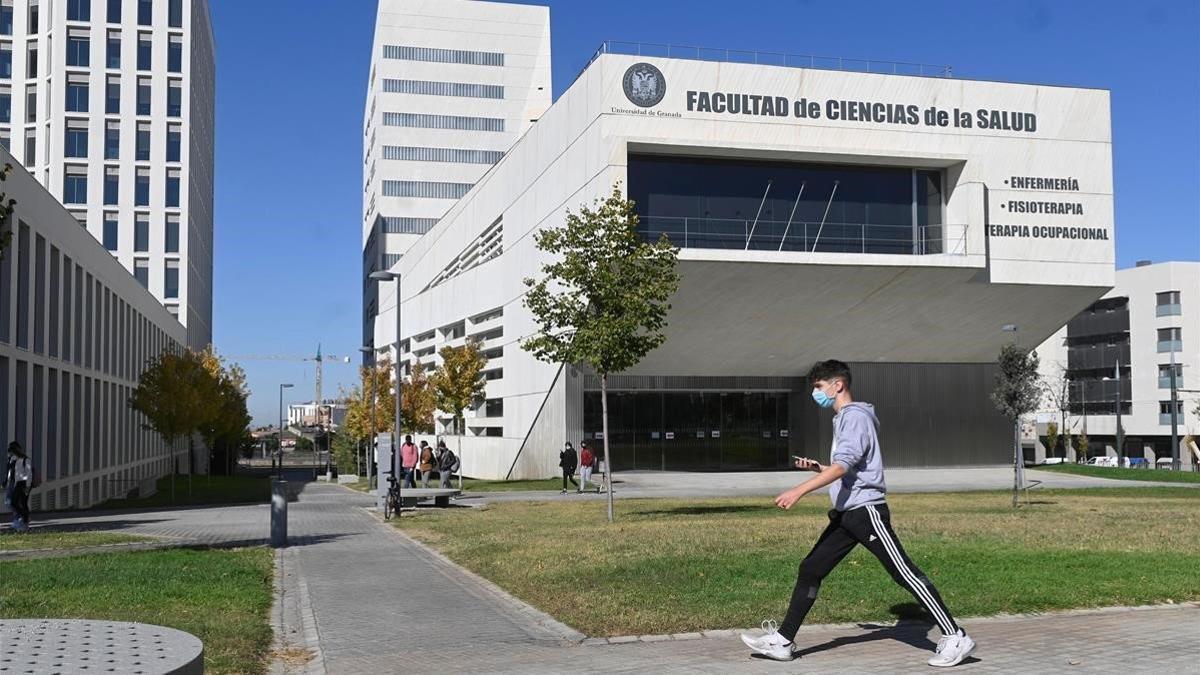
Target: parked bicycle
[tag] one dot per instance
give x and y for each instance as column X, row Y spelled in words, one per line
column 391, row 504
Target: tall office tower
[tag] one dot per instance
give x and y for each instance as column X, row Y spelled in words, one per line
column 453, row 84
column 109, row 103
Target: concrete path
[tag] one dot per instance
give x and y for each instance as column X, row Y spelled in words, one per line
column 770, row 483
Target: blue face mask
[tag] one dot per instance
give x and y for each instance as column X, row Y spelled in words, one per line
column 821, row 399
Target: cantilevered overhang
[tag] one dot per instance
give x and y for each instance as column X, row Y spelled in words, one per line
column 756, row 313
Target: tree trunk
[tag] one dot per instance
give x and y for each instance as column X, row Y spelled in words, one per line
column 458, row 428
column 1016, row 460
column 608, row 469
column 191, row 464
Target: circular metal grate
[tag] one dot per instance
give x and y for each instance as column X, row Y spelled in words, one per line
column 69, row 646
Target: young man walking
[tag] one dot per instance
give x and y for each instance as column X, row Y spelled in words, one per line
column 860, row 515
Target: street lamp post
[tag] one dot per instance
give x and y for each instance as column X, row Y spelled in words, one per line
column 1175, row 466
column 388, row 276
column 279, row 467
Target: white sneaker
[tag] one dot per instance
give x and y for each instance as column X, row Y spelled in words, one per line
column 771, row 645
column 952, row 649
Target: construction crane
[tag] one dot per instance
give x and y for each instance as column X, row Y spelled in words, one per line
column 319, row 359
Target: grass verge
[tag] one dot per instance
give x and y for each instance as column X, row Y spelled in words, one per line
column 222, row 597
column 1120, row 473
column 204, row 490
column 671, row 565
column 38, row 540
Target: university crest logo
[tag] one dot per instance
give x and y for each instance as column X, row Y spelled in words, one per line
column 644, row 85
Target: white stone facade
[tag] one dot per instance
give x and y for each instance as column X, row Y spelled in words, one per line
column 453, row 84
column 761, row 312
column 111, row 107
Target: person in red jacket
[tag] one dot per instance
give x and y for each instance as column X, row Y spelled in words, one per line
column 587, row 461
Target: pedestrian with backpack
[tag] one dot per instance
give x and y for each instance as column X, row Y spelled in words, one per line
column 447, row 463
column 426, row 465
column 587, row 462
column 19, row 479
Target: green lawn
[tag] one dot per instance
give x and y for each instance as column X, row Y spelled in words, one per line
column 11, row 541
column 222, row 597
column 1120, row 473
column 204, row 490
column 672, row 565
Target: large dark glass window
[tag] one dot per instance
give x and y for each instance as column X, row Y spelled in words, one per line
column 692, row 430
column 788, row 206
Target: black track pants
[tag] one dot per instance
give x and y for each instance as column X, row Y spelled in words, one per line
column 870, row 526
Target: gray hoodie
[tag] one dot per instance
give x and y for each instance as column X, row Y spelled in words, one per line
column 856, row 448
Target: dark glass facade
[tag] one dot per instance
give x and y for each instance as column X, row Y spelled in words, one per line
column 692, row 431
column 1097, row 342
column 787, row 206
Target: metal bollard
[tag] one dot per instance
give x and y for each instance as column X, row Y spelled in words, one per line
column 278, row 513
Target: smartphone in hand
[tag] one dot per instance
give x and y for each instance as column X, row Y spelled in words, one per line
column 806, row 464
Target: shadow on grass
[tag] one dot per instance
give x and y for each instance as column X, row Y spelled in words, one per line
column 706, row 510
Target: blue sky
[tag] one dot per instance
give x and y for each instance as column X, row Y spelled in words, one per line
column 291, row 80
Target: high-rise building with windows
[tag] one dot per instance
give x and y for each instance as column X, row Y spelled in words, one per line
column 109, row 103
column 453, row 84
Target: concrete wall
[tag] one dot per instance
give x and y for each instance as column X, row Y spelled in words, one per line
column 75, row 331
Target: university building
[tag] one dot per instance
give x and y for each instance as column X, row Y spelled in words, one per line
column 453, row 84
column 76, row 329
column 898, row 221
column 109, row 104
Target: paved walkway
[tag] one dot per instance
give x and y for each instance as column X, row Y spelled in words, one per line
column 357, row 596
column 770, row 483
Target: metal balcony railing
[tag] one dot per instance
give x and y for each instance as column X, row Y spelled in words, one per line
column 694, row 53
column 779, row 235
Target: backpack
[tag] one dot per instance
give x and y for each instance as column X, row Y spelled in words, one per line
column 453, row 459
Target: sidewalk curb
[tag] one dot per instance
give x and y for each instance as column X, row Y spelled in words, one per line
column 292, row 609
column 726, row 633
column 524, row 611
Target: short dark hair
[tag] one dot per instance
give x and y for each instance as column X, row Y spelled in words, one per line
column 830, row 370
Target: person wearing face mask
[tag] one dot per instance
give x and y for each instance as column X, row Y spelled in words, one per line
column 860, row 515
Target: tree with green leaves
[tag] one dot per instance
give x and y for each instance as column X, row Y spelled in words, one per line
column 225, row 431
column 1082, row 443
column 603, row 298
column 1017, row 393
column 418, row 403
column 459, row 384
column 178, row 396
column 1052, row 439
